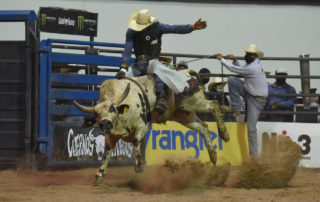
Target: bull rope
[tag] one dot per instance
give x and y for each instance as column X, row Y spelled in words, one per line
column 173, row 66
column 205, row 57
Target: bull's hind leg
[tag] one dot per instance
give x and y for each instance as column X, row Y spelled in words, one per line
column 198, row 103
column 191, row 121
column 110, row 144
column 139, row 161
column 222, row 129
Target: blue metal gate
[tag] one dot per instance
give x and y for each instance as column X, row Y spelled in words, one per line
column 61, row 136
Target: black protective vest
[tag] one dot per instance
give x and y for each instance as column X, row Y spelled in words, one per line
column 147, row 43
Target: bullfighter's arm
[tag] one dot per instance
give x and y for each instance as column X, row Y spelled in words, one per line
column 236, row 68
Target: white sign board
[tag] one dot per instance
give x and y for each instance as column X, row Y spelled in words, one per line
column 307, row 135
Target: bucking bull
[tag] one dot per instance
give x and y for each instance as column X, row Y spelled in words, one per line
column 124, row 112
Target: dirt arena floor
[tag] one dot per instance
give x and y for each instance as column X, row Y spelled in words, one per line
column 77, row 185
column 269, row 177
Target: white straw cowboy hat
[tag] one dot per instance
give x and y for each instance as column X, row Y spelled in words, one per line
column 183, row 63
column 253, row 49
column 216, row 81
column 141, row 19
column 281, row 70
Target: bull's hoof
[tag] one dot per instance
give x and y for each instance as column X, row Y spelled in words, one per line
column 213, row 156
column 139, row 168
column 224, row 134
column 99, row 178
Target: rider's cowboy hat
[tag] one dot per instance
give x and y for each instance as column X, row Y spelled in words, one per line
column 216, row 81
column 141, row 19
column 253, row 49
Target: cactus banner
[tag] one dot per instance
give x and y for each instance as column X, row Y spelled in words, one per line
column 72, row 142
column 67, row 21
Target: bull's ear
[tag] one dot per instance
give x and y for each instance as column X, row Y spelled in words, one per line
column 123, row 109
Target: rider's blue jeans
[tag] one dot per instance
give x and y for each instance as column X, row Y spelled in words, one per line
column 141, row 68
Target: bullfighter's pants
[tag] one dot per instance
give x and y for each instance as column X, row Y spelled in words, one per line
column 254, row 107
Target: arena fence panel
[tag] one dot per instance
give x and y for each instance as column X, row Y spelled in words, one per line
column 18, row 85
column 63, row 137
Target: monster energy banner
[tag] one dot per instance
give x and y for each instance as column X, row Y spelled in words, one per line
column 67, row 21
column 76, row 143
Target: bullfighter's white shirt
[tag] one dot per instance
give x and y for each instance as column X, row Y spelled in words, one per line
column 255, row 80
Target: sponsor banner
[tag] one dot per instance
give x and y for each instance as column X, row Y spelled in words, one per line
column 76, row 143
column 173, row 139
column 305, row 134
column 67, row 21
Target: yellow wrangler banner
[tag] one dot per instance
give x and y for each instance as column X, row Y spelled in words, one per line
column 175, row 140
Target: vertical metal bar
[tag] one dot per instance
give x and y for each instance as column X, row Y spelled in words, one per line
column 174, row 60
column 91, row 40
column 36, row 89
column 92, row 68
column 50, row 143
column 43, row 95
column 28, row 92
column 49, row 94
column 305, row 82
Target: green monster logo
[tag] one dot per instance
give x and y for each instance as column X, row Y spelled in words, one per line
column 43, row 19
column 80, row 22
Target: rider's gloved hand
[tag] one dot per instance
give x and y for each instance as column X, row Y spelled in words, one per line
column 121, row 74
column 199, row 25
column 123, row 70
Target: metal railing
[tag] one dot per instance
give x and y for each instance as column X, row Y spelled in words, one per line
column 304, row 76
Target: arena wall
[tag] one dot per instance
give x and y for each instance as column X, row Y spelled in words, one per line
column 278, row 30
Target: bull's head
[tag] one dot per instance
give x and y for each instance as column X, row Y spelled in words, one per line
column 107, row 112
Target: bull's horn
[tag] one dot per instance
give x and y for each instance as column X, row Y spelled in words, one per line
column 124, row 94
column 83, row 108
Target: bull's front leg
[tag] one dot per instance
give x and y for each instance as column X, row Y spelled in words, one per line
column 222, row 129
column 110, row 144
column 139, row 158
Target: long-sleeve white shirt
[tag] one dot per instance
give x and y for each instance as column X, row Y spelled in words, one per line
column 255, row 81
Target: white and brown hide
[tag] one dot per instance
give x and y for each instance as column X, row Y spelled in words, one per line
column 123, row 113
